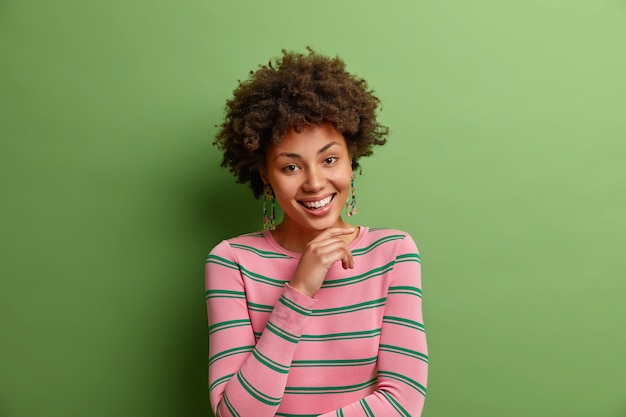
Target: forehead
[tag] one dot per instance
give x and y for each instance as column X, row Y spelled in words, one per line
column 309, row 141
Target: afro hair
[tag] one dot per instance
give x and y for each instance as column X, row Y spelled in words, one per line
column 296, row 91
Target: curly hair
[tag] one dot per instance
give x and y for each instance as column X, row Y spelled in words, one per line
column 296, row 91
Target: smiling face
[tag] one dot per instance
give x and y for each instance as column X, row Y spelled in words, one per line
column 310, row 173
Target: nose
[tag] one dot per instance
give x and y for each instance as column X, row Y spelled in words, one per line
column 314, row 181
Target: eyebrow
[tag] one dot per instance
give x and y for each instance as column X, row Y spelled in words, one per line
column 295, row 155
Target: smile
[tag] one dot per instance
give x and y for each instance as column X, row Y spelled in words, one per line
column 318, row 204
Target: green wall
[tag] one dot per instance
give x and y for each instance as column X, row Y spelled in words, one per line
column 505, row 162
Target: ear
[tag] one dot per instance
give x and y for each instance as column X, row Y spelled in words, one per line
column 263, row 175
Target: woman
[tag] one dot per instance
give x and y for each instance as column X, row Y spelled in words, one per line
column 313, row 316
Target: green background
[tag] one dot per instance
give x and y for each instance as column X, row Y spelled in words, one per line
column 505, row 162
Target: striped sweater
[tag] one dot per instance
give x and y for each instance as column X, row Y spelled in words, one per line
column 357, row 349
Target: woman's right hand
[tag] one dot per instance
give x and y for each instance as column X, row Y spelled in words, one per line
column 317, row 258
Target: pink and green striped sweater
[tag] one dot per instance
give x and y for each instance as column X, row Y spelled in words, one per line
column 357, row 349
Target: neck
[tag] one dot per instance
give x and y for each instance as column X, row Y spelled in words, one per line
column 294, row 238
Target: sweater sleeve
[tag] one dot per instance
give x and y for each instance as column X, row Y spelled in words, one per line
column 248, row 379
column 402, row 353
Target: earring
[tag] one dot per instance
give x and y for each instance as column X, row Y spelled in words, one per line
column 351, row 202
column 269, row 219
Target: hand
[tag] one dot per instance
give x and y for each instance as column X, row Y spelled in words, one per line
column 317, row 258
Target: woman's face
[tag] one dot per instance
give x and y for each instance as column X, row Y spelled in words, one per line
column 310, row 173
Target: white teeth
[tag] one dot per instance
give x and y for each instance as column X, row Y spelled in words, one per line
column 318, row 204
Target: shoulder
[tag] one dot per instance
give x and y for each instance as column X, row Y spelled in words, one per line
column 382, row 246
column 392, row 239
column 251, row 245
column 253, row 239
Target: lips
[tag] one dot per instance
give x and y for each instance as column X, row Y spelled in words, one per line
column 318, row 204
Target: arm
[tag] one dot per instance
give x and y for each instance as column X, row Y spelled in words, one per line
column 244, row 379
column 402, row 354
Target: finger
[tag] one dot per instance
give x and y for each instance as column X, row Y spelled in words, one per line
column 326, row 246
column 334, row 231
column 337, row 250
column 328, row 252
column 346, row 257
column 350, row 258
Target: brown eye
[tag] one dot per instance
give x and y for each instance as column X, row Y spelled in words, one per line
column 330, row 160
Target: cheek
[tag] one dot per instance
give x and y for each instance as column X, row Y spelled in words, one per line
column 284, row 190
column 343, row 182
column 347, row 175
